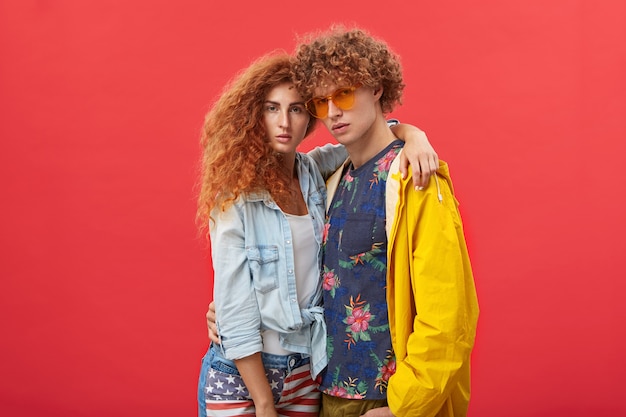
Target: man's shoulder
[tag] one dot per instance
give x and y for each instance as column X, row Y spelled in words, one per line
column 395, row 164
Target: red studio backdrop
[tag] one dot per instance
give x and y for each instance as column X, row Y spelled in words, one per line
column 105, row 280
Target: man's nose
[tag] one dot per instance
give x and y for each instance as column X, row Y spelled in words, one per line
column 333, row 110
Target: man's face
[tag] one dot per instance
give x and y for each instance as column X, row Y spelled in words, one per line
column 351, row 125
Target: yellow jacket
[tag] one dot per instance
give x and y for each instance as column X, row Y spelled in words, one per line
column 433, row 308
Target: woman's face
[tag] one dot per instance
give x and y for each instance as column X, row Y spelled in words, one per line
column 285, row 118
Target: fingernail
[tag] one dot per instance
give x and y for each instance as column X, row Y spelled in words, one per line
column 419, row 188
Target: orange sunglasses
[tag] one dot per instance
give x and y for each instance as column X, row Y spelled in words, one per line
column 342, row 98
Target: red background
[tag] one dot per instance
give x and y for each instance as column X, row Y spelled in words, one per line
column 104, row 280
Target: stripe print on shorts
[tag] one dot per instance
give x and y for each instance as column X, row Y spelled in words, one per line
column 295, row 393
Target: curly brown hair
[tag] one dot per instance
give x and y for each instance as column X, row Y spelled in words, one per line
column 347, row 57
column 236, row 156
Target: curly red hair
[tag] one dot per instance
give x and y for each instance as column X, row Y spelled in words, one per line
column 236, row 156
column 348, row 57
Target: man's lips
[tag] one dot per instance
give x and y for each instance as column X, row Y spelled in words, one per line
column 339, row 126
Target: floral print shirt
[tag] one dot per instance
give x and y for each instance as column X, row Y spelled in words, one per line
column 361, row 358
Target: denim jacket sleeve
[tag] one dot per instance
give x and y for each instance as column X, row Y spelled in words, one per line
column 328, row 158
column 238, row 317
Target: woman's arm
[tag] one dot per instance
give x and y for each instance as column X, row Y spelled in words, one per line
column 418, row 152
column 328, row 158
column 239, row 319
column 253, row 373
column 238, row 316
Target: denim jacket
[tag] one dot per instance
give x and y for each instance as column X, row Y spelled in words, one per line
column 253, row 262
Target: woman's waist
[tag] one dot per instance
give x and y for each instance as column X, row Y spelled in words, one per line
column 270, row 360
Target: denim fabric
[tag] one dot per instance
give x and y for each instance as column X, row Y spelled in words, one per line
column 214, row 360
column 288, row 375
column 254, row 284
column 204, row 370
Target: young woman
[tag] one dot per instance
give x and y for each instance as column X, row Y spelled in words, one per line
column 264, row 206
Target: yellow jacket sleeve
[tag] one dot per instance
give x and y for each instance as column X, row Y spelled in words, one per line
column 433, row 308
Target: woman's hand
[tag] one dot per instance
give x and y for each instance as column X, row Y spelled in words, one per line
column 418, row 152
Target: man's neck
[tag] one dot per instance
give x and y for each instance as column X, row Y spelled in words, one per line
column 377, row 138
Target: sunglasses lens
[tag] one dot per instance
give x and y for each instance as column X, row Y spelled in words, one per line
column 318, row 107
column 342, row 98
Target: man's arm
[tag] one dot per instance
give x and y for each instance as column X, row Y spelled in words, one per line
column 210, row 323
column 430, row 275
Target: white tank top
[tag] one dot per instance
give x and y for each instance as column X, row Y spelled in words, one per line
column 306, row 270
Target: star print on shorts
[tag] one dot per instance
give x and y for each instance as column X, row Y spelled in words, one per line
column 222, row 386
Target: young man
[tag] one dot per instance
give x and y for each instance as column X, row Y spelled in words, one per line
column 399, row 300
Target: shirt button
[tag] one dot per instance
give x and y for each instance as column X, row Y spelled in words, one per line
column 289, row 242
column 290, row 271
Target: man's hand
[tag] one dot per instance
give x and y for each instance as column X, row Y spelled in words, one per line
column 210, row 323
column 378, row 412
column 418, row 152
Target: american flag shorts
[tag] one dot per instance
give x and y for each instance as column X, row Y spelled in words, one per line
column 221, row 391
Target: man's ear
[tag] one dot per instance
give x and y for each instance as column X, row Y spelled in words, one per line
column 378, row 92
